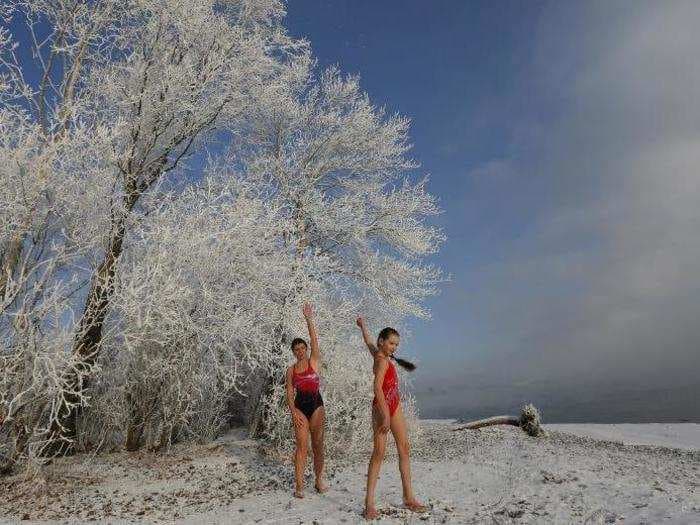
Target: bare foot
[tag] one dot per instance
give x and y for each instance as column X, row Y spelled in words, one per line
column 321, row 487
column 370, row 513
column 415, row 506
column 299, row 494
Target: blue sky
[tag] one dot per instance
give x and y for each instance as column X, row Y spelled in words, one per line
column 563, row 140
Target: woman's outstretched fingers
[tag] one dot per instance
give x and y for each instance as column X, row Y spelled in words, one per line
column 308, row 310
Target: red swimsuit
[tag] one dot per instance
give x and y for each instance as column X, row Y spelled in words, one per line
column 307, row 381
column 308, row 397
column 390, row 387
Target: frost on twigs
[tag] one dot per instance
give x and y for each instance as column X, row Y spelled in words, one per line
column 355, row 224
column 149, row 287
column 126, row 93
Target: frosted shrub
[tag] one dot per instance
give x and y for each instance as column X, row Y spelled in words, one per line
column 336, row 168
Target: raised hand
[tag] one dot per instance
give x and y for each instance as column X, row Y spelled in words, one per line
column 308, row 311
column 365, row 335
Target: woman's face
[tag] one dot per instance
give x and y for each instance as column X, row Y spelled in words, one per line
column 389, row 345
column 299, row 351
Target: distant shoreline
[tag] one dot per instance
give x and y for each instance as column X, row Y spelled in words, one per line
column 599, row 404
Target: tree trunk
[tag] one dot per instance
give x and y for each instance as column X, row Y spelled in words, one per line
column 9, row 260
column 496, row 420
column 88, row 338
column 134, row 431
column 7, row 463
column 133, row 436
column 259, row 421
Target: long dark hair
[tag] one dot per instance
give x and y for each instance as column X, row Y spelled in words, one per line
column 386, row 333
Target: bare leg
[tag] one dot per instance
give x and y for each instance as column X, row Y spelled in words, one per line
column 301, row 433
column 316, row 426
column 398, row 429
column 375, row 464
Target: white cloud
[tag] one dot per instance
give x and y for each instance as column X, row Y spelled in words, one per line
column 603, row 279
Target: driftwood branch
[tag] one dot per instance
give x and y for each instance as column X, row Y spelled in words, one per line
column 495, row 420
column 529, row 421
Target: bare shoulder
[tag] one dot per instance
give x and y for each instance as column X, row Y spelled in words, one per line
column 380, row 362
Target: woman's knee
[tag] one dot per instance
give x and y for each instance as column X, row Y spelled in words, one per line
column 379, row 450
column 302, row 448
column 403, row 448
column 317, row 442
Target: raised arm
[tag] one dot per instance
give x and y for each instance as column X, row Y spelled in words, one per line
column 365, row 335
column 313, row 337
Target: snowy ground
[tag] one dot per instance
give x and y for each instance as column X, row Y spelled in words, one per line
column 492, row 475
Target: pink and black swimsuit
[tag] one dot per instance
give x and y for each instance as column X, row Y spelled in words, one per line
column 308, row 396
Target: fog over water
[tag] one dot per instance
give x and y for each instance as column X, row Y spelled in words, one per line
column 563, row 140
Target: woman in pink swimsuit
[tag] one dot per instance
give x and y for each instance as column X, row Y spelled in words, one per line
column 387, row 414
column 306, row 405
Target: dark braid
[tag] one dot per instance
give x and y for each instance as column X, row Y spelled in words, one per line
column 406, row 365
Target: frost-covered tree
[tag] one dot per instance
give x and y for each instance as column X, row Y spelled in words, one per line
column 129, row 89
column 41, row 238
column 191, row 302
column 42, row 96
column 337, row 168
column 189, row 69
column 144, row 297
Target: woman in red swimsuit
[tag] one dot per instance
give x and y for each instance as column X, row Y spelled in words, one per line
column 306, row 405
column 387, row 414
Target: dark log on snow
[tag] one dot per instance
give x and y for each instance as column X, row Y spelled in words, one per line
column 495, row 420
column 529, row 421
